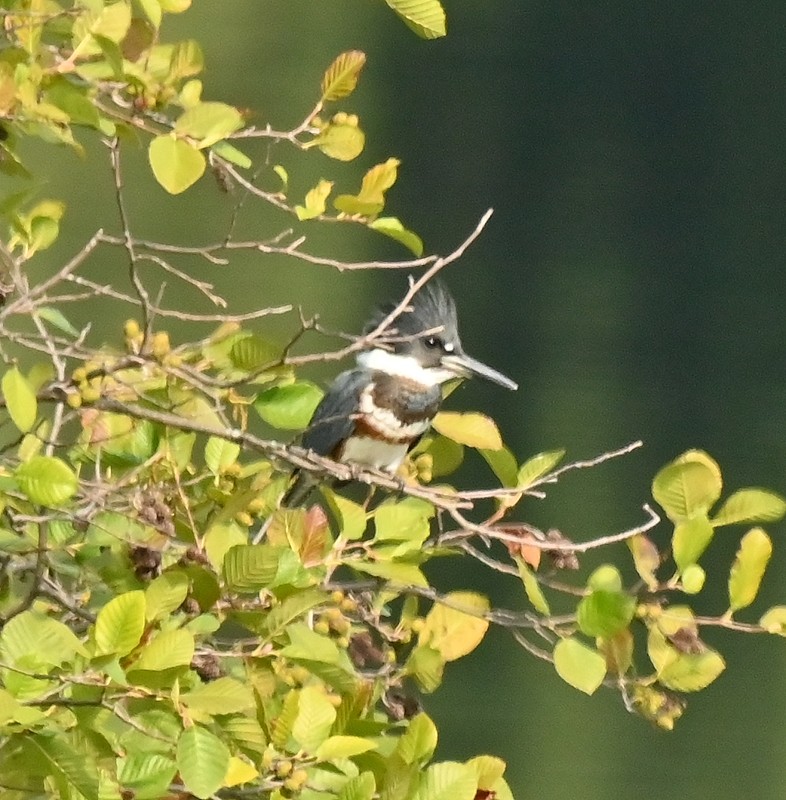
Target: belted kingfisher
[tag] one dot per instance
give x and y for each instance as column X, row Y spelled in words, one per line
column 374, row 414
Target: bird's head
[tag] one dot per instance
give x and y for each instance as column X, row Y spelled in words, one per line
column 424, row 342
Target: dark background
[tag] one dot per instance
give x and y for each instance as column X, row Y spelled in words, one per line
column 631, row 280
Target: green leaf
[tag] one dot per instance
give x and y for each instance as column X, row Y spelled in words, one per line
column 343, row 747
column 221, row 696
column 72, row 766
column 292, row 607
column 315, row 717
column 688, row 486
column 120, row 624
column 306, row 644
column 748, row 568
column 447, row 780
column 606, row 577
column 46, row 481
column 426, row 665
column 392, row 227
column 290, row 407
column 341, row 77
column 538, row 466
column 315, row 201
column 219, row 454
column 605, row 613
column 751, row 505
column 340, row 141
column 252, row 353
column 453, row 631
column 173, row 648
column 419, row 741
column 30, row 634
column 165, row 594
column 532, row 587
column 208, row 123
column 691, row 538
column 503, row 465
column 370, row 200
column 425, row 17
column 251, row 567
column 202, row 760
column 176, row 164
column 148, row 775
column 54, row 316
column 230, row 153
column 351, row 516
column 361, row 787
column 579, row 665
column 446, row 455
column 405, row 520
column 692, row 672
column 20, row 399
column 469, row 428
column 396, row 572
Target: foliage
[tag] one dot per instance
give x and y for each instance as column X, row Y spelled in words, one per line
column 168, row 628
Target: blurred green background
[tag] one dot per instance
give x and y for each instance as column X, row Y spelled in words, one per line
column 632, row 280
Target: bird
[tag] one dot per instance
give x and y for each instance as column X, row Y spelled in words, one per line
column 373, row 414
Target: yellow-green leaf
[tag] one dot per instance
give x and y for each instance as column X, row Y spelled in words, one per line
column 691, row 538
column 751, row 505
column 447, row 780
column 532, row 587
column 315, row 201
column 173, row 648
column 579, row 665
column 370, row 200
column 315, row 717
column 691, row 672
column 646, row 559
column 176, row 164
column 748, row 568
column 343, row 747
column 340, row 141
column 47, row 480
column 291, row 406
column 688, row 486
column 341, row 77
column 774, row 620
column 20, row 399
column 538, row 466
column 419, row 741
column 425, row 17
column 239, row 771
column 392, row 227
column 208, row 123
column 221, row 696
column 453, row 631
column 166, row 593
column 469, row 428
column 120, row 624
column 202, row 761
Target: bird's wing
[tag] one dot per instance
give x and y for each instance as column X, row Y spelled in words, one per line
column 333, row 420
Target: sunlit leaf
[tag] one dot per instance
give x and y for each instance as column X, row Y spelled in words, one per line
column 202, row 760
column 370, row 200
column 165, row 594
column 208, row 123
column 291, row 406
column 537, row 466
column 646, row 558
column 447, row 780
column 314, row 204
column 361, row 787
column 751, row 505
column 47, row 481
column 688, row 486
column 173, row 648
column 605, row 613
column 221, row 696
column 774, row 620
column 532, row 587
column 453, row 631
column 691, row 538
column 176, row 164
column 120, row 624
column 72, row 766
column 392, row 227
column 341, row 77
column 219, row 454
column 315, row 717
column 340, row 141
column 748, row 568
column 692, row 672
column 403, row 520
column 343, row 747
column 231, row 153
column 20, row 399
column 469, row 428
column 419, row 741
column 692, row 579
column 425, row 17
column 579, row 665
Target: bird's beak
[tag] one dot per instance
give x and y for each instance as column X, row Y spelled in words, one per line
column 465, row 366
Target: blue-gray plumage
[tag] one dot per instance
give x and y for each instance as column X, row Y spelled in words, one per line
column 372, row 415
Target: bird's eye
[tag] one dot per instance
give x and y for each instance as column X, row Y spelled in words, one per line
column 433, row 342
